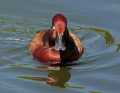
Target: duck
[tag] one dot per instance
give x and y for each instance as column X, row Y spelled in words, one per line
column 56, row 45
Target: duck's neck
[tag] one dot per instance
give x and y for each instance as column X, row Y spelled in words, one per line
column 65, row 40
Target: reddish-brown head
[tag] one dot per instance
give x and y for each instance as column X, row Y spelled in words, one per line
column 59, row 22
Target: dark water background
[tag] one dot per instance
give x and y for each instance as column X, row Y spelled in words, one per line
column 97, row 22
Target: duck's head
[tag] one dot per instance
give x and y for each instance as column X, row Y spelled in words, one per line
column 59, row 23
column 59, row 26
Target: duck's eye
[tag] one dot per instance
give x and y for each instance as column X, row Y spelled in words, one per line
column 53, row 27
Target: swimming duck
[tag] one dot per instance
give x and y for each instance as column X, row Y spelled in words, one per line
column 56, row 45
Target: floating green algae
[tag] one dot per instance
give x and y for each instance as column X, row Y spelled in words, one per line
column 109, row 40
column 94, row 91
column 8, row 30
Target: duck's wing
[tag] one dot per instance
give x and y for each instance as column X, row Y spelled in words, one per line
column 36, row 41
column 77, row 42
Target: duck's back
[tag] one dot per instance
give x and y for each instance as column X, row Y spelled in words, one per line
column 74, row 49
column 37, row 41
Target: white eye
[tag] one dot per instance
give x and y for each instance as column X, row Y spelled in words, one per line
column 53, row 28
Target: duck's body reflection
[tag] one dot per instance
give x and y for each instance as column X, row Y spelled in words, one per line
column 57, row 76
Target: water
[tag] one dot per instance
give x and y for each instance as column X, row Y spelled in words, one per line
column 95, row 21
